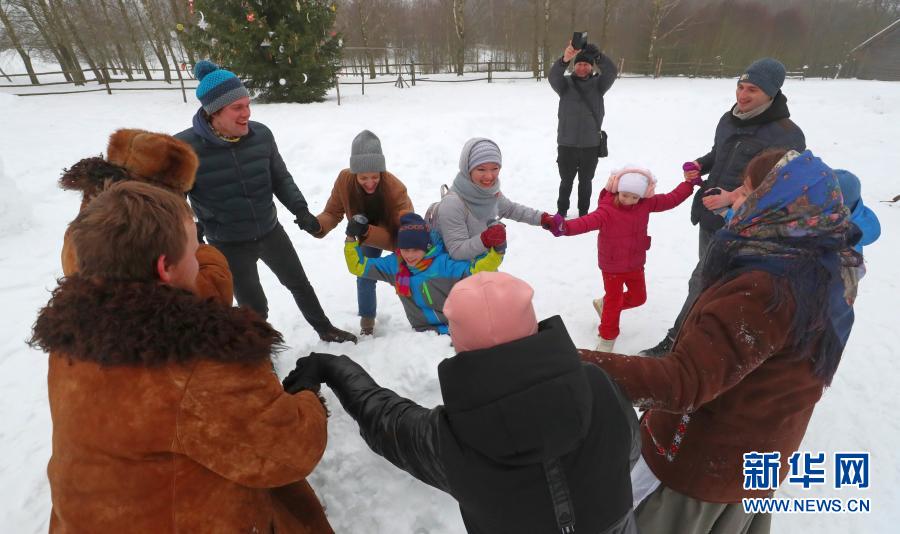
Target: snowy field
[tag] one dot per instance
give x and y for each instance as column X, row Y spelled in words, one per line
column 655, row 123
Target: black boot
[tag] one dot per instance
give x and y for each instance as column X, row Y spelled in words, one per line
column 663, row 348
column 336, row 335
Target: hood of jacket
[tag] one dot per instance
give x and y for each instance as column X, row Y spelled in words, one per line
column 521, row 402
column 147, row 323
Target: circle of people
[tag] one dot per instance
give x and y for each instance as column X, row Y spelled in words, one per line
column 167, row 415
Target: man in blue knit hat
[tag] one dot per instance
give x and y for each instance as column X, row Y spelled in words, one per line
column 759, row 119
column 240, row 172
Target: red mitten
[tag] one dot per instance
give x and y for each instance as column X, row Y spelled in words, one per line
column 546, row 221
column 494, row 236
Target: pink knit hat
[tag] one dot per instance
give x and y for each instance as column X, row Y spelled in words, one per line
column 489, row 309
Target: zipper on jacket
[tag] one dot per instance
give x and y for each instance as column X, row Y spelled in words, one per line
column 240, row 174
column 427, row 293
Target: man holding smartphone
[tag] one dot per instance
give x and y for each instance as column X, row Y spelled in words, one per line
column 580, row 140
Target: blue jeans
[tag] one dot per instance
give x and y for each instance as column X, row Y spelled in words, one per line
column 365, row 289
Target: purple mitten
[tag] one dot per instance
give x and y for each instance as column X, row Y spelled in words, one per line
column 689, row 166
column 558, row 225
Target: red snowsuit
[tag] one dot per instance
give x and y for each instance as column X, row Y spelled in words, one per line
column 622, row 248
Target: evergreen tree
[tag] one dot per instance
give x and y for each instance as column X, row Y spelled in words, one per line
column 283, row 50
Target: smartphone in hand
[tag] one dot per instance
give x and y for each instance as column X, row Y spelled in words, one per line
column 579, row 39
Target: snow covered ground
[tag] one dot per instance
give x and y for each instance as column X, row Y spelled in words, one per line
column 656, row 123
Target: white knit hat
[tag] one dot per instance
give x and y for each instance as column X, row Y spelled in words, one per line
column 636, row 180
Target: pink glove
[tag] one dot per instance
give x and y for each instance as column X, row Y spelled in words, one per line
column 690, row 166
column 557, row 225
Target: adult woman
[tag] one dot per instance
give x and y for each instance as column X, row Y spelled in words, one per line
column 753, row 356
column 463, row 216
column 366, row 188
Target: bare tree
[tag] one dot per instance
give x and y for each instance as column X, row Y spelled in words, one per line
column 459, row 24
column 20, row 49
column 660, row 11
column 545, row 45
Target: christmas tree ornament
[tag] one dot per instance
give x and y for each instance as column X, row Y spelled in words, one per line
column 179, row 27
column 202, row 24
column 251, row 17
column 305, row 78
column 282, row 81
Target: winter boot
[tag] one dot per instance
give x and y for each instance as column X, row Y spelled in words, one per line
column 606, row 345
column 366, row 326
column 336, row 335
column 598, row 305
column 664, row 347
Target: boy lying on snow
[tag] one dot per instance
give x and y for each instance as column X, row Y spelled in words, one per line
column 421, row 270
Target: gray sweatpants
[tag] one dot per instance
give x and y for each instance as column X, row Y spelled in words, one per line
column 665, row 511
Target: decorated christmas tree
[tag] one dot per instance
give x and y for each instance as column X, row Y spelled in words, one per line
column 283, row 50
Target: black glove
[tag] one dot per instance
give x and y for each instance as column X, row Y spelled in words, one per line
column 358, row 226
column 308, row 223
column 308, row 374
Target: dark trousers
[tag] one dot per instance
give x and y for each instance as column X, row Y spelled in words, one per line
column 277, row 252
column 572, row 161
column 695, row 283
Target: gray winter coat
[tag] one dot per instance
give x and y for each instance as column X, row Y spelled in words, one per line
column 233, row 194
column 461, row 230
column 577, row 127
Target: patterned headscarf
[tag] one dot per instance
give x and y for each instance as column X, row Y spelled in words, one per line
column 795, row 226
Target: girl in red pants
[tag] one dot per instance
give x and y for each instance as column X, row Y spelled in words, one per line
column 622, row 214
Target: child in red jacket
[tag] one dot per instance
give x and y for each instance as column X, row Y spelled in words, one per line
column 622, row 214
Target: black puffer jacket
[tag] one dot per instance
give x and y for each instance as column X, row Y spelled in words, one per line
column 510, row 410
column 232, row 196
column 577, row 127
column 736, row 142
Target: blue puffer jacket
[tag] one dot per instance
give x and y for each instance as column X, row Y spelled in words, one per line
column 868, row 223
column 232, row 196
column 736, row 142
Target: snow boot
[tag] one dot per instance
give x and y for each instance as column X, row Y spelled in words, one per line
column 661, row 349
column 606, row 345
column 336, row 335
column 366, row 326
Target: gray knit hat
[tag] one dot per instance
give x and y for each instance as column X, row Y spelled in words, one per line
column 477, row 151
column 365, row 153
column 766, row 73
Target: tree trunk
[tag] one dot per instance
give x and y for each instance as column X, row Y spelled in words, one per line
column 75, row 36
column 545, row 48
column 45, row 35
column 123, row 59
column 535, row 60
column 608, row 9
column 14, row 39
column 364, row 36
column 157, row 38
column 69, row 60
column 135, row 44
column 459, row 8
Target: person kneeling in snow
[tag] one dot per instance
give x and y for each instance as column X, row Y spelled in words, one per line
column 421, row 270
column 529, row 438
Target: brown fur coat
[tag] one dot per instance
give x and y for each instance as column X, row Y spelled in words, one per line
column 167, row 416
column 396, row 203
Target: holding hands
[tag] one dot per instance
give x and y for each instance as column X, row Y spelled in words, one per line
column 494, row 236
column 692, row 172
column 308, row 374
column 308, row 222
column 358, row 226
column 555, row 224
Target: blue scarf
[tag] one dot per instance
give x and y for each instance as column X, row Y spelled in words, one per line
column 795, row 226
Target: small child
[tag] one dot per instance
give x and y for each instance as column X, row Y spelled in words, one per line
column 860, row 215
column 622, row 214
column 421, row 271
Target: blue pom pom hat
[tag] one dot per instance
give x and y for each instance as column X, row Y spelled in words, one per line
column 218, row 87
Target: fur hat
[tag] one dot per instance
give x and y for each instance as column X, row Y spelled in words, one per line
column 489, row 309
column 413, row 233
column 158, row 159
column 91, row 176
column 767, row 74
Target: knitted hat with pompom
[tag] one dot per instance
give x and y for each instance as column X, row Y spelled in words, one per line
column 218, row 87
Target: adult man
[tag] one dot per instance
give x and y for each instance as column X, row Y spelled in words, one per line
column 529, row 439
column 240, row 170
column 759, row 119
column 580, row 114
column 166, row 414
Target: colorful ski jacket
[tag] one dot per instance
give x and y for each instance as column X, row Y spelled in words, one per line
column 429, row 287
